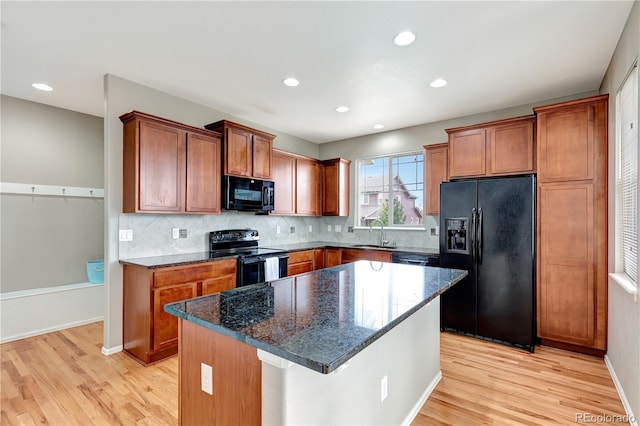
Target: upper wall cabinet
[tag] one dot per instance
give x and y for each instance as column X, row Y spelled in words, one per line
column 503, row 147
column 169, row 167
column 297, row 181
column 335, row 187
column 246, row 151
column 436, row 172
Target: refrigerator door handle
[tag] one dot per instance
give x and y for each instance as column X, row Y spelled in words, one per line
column 479, row 237
column 472, row 233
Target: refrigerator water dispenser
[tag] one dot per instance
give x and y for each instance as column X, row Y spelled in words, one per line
column 457, row 238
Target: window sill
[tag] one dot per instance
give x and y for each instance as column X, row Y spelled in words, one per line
column 623, row 281
column 393, row 228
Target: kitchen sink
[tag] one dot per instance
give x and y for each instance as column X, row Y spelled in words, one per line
column 373, row 246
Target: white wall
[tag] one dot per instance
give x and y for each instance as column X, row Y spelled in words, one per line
column 624, row 312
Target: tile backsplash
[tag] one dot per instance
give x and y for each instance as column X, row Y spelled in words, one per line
column 152, row 234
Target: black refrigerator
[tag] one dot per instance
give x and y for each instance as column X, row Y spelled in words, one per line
column 487, row 228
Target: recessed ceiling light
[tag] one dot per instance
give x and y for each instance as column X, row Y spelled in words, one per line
column 378, row 126
column 42, row 86
column 342, row 108
column 291, row 82
column 404, row 38
column 439, row 82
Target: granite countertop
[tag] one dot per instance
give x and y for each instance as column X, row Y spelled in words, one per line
column 200, row 257
column 320, row 319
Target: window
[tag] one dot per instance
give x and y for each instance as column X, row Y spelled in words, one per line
column 627, row 178
column 397, row 182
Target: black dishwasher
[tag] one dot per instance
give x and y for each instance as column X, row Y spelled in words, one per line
column 412, row 258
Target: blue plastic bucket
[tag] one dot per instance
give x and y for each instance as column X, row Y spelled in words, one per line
column 95, row 271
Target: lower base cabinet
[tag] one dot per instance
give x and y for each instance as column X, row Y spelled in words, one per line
column 150, row 334
column 301, row 262
column 352, row 255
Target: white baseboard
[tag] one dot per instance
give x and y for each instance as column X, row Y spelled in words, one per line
column 423, row 398
column 33, row 312
column 633, row 421
column 111, row 351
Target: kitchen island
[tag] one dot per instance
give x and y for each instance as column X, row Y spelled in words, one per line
column 356, row 343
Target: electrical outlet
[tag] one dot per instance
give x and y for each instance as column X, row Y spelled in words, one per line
column 175, row 233
column 292, row 229
column 183, row 233
column 328, row 228
column 383, row 389
column 310, row 228
column 277, row 229
column 206, row 378
column 338, row 228
column 350, row 229
column 125, row 235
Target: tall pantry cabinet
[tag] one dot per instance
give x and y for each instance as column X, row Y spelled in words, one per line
column 572, row 224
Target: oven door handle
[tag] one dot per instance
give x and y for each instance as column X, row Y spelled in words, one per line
column 252, row 260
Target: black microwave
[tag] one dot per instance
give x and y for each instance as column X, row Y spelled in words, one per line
column 247, row 194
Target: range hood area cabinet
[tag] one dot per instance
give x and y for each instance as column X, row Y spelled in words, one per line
column 335, row 187
column 497, row 148
column 169, row 167
column 572, row 224
column 297, row 182
column 246, row 152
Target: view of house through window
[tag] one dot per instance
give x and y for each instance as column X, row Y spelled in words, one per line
column 391, row 189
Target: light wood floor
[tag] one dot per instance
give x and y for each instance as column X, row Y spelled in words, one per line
column 62, row 378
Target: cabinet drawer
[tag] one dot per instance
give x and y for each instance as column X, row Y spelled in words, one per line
column 300, row 256
column 299, row 268
column 193, row 273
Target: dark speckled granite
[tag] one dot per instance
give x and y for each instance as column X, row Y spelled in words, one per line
column 323, row 318
column 175, row 259
column 190, row 258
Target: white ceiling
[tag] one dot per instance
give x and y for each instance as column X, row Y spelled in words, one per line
column 233, row 56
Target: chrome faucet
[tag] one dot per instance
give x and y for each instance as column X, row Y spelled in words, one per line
column 383, row 242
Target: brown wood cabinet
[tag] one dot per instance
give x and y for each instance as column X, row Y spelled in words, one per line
column 149, row 333
column 352, row 255
column 572, row 224
column 301, row 262
column 298, row 180
column 335, row 187
column 246, row 151
column 436, row 171
column 169, row 167
column 332, row 257
column 496, row 148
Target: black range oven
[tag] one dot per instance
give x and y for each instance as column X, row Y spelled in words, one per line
column 255, row 264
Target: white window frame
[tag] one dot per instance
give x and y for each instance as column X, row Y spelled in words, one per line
column 406, row 227
column 626, row 238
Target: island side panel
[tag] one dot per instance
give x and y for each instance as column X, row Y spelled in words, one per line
column 237, row 378
column 409, row 355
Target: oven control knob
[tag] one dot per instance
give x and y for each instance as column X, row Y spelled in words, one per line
column 254, row 233
column 216, row 236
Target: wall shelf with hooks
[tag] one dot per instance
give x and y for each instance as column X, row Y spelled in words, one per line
column 50, row 190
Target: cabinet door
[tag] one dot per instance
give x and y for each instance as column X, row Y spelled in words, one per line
column 467, row 153
column 262, row 157
column 567, row 287
column 300, row 262
column 218, row 284
column 566, row 144
column 162, row 167
column 436, row 164
column 511, row 148
column 165, row 326
column 335, row 187
column 238, row 148
column 318, row 261
column 308, row 187
column 284, row 177
column 332, row 257
column 203, row 173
